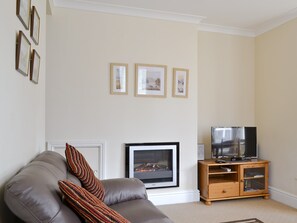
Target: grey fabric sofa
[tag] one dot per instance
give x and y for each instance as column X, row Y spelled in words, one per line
column 33, row 194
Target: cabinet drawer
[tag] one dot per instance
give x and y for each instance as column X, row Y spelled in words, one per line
column 221, row 190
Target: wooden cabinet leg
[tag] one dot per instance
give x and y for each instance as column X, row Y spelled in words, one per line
column 266, row 197
column 207, row 202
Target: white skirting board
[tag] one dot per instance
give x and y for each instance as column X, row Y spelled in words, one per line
column 283, row 197
column 194, row 196
column 175, row 197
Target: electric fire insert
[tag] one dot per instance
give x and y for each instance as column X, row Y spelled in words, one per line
column 155, row 164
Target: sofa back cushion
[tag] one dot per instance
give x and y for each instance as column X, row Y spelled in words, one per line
column 33, row 194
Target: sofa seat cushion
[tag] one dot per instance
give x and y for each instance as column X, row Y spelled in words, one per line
column 82, row 170
column 88, row 206
column 140, row 211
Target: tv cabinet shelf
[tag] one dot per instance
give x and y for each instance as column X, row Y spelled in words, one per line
column 220, row 172
column 219, row 180
column 232, row 180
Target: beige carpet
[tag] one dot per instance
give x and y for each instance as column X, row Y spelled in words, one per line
column 268, row 211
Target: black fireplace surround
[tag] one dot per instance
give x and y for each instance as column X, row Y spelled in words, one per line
column 155, row 164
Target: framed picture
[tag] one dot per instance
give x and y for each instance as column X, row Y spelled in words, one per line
column 180, row 82
column 35, row 67
column 23, row 11
column 150, row 80
column 118, row 78
column 35, row 26
column 23, row 54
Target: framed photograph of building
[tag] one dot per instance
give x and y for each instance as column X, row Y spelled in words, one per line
column 180, row 82
column 23, row 11
column 118, row 78
column 23, row 54
column 150, row 80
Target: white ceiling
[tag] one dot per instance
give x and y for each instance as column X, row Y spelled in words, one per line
column 249, row 15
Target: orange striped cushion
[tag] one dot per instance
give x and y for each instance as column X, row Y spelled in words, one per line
column 88, row 206
column 81, row 169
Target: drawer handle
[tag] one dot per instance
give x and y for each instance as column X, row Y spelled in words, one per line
column 224, row 191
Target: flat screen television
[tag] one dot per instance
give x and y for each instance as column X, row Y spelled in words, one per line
column 227, row 142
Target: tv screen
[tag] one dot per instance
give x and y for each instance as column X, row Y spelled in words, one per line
column 234, row 142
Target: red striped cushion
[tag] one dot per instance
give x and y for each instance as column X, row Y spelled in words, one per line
column 88, row 206
column 81, row 169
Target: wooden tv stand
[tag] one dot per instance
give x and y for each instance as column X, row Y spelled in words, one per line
column 232, row 180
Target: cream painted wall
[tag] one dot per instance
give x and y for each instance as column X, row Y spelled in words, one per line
column 226, row 83
column 276, row 104
column 80, row 47
column 22, row 113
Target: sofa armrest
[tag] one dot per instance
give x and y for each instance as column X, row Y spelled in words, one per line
column 123, row 189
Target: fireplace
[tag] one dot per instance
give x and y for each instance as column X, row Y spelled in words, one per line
column 155, row 164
